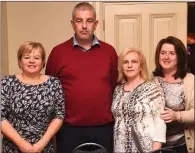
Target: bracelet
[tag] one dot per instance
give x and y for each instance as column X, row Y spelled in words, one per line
column 180, row 118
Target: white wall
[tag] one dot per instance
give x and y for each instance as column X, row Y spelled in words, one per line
column 45, row 22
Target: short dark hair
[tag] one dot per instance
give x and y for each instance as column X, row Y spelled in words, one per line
column 181, row 53
column 83, row 6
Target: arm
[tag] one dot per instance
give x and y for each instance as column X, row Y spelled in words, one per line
column 56, row 123
column 157, row 105
column 51, row 66
column 6, row 127
column 114, row 69
column 187, row 116
column 54, row 126
column 156, row 145
column 8, row 131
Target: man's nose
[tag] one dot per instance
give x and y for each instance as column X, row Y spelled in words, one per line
column 84, row 25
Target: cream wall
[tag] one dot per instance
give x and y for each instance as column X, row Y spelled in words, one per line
column 46, row 22
column 4, row 42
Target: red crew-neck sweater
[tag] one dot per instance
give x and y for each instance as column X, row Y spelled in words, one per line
column 88, row 80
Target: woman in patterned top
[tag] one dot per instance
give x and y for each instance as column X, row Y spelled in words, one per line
column 32, row 104
column 178, row 87
column 136, row 107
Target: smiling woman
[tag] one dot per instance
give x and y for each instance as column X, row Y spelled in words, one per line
column 136, row 107
column 31, row 60
column 178, row 86
column 32, row 104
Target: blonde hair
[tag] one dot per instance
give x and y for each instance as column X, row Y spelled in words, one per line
column 143, row 65
column 28, row 47
column 83, row 6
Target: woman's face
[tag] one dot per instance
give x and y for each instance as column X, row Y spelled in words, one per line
column 31, row 63
column 131, row 65
column 168, row 57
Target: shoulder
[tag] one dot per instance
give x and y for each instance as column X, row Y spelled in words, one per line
column 8, row 83
column 189, row 76
column 189, row 80
column 119, row 87
column 151, row 85
column 107, row 46
column 54, row 81
column 7, row 79
column 156, row 80
column 62, row 47
column 52, row 78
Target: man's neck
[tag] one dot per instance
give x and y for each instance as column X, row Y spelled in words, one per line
column 85, row 43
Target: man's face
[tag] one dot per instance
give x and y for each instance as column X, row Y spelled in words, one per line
column 84, row 24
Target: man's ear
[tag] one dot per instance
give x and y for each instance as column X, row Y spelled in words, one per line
column 96, row 23
column 72, row 23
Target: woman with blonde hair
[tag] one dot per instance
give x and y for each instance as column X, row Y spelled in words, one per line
column 136, row 107
column 32, row 104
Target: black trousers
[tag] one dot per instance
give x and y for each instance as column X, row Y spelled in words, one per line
column 69, row 137
column 181, row 149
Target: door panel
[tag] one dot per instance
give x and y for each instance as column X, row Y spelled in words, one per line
column 141, row 24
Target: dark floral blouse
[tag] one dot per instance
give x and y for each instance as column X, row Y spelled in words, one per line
column 30, row 109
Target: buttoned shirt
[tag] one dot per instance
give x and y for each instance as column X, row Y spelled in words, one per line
column 76, row 44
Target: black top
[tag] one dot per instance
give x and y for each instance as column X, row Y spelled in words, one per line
column 30, row 109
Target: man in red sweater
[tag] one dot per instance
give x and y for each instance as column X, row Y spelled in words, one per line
column 87, row 68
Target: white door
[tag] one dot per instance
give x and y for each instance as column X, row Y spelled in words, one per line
column 141, row 24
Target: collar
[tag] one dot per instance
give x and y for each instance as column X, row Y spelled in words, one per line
column 95, row 42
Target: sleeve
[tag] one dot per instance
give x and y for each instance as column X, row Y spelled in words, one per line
column 187, row 116
column 59, row 110
column 4, row 99
column 157, row 105
column 115, row 93
column 114, row 69
column 52, row 65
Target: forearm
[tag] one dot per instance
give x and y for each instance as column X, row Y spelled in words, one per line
column 8, row 130
column 186, row 116
column 54, row 126
column 156, row 145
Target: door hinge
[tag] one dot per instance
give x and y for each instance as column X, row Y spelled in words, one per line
column 104, row 25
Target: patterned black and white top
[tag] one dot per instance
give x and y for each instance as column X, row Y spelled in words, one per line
column 137, row 118
column 30, row 109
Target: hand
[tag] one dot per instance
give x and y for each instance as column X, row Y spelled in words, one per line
column 169, row 115
column 38, row 147
column 25, row 146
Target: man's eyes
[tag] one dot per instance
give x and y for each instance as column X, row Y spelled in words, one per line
column 78, row 21
column 89, row 21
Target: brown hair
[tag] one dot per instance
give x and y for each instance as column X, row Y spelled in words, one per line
column 181, row 53
column 143, row 65
column 28, row 47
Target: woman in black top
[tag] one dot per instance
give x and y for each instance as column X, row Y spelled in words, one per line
column 32, row 104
